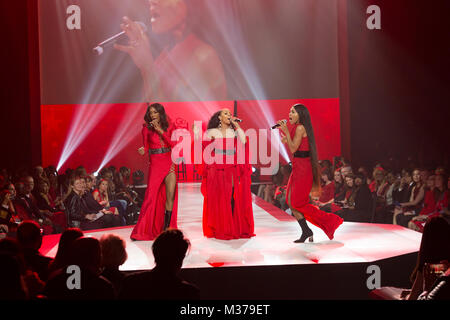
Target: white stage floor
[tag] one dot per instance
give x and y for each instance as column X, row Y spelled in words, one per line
column 273, row 243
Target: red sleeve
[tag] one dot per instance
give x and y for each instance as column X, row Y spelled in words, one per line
column 327, row 193
column 167, row 136
column 144, row 137
column 429, row 204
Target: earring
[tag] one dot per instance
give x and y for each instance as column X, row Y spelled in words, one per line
column 220, row 124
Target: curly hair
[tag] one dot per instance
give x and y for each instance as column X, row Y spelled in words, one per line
column 162, row 116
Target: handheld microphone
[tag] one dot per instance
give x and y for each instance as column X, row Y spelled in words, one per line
column 277, row 125
column 237, row 120
column 99, row 48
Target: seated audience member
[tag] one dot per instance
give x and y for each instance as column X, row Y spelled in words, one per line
column 114, row 254
column 90, row 183
column 108, row 174
column 390, row 178
column 61, row 257
column 52, row 207
column 91, row 204
column 430, row 183
column 101, row 196
column 339, row 193
column 7, row 212
column 379, row 185
column 403, row 192
column 125, row 176
column 327, row 190
column 82, row 216
column 86, row 255
column 27, row 209
column 162, row 283
column 424, row 174
column 138, row 178
column 435, row 203
column 39, row 174
column 363, row 170
column 52, row 177
column 434, row 249
column 340, row 190
column 29, row 238
column 346, row 170
column 357, row 208
column 405, row 211
column 350, row 194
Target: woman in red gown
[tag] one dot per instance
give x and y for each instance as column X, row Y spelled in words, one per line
column 227, row 205
column 159, row 209
column 305, row 175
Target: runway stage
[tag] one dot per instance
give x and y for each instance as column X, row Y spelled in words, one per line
column 270, row 265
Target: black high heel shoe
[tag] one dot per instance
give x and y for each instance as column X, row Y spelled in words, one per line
column 167, row 217
column 304, row 237
column 306, row 232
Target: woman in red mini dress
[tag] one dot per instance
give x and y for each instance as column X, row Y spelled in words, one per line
column 227, row 204
column 159, row 209
column 305, row 175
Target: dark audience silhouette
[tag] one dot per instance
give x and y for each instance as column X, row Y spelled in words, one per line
column 85, row 254
column 162, row 282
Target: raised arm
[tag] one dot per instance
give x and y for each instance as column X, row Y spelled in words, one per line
column 293, row 143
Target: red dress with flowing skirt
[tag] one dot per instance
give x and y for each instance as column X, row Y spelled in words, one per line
column 222, row 181
column 299, row 187
column 151, row 217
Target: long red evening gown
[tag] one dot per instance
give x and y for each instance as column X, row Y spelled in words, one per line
column 220, row 184
column 151, row 217
column 299, row 186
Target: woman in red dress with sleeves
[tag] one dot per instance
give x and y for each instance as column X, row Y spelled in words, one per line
column 227, row 204
column 159, row 209
column 436, row 201
column 305, row 175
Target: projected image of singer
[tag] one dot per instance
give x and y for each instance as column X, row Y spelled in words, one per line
column 226, row 181
column 159, row 209
column 187, row 69
column 305, row 175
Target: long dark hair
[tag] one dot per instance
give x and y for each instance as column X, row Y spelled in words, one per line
column 305, row 120
column 162, row 116
column 214, row 121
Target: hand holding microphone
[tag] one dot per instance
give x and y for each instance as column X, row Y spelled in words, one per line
column 139, row 45
column 111, row 40
column 279, row 124
column 235, row 121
